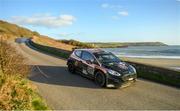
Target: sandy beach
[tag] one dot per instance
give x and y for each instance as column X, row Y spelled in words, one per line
column 167, row 63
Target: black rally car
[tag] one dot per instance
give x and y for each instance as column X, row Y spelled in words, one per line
column 104, row 67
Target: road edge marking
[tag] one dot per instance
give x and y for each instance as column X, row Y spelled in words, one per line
column 44, row 74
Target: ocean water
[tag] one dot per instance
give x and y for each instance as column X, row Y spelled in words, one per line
column 168, row 52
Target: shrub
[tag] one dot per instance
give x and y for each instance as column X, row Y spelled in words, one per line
column 77, row 43
column 36, row 33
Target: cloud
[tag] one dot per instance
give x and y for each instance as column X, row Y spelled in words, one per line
column 178, row 0
column 110, row 6
column 45, row 20
column 118, row 9
column 119, row 14
column 104, row 5
column 123, row 13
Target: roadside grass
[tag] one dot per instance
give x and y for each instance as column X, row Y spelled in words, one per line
column 17, row 93
column 157, row 74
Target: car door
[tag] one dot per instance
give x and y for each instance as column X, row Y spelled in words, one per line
column 78, row 60
column 87, row 64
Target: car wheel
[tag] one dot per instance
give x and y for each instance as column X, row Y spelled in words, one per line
column 71, row 68
column 100, row 79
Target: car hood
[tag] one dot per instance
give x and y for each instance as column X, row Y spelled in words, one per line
column 121, row 67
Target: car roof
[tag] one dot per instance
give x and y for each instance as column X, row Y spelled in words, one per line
column 91, row 50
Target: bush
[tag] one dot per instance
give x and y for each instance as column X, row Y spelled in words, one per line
column 77, row 43
column 36, row 33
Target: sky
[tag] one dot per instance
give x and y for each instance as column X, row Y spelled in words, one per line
column 98, row 20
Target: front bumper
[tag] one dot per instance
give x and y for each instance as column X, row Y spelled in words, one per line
column 124, row 80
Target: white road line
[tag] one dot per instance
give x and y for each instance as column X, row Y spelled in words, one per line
column 44, row 74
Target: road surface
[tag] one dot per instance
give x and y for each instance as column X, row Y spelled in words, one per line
column 63, row 90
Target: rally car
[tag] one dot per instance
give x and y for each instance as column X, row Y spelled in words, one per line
column 104, row 67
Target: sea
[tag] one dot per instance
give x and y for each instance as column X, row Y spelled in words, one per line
column 169, row 52
column 163, row 52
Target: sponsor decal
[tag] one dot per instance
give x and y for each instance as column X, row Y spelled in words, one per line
column 84, row 71
column 90, row 70
column 122, row 65
column 76, row 63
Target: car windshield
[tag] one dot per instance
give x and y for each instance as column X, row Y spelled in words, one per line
column 106, row 57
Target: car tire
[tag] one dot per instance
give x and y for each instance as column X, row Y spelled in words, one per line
column 71, row 68
column 100, row 79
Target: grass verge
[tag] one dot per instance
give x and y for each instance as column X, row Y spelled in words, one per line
column 17, row 93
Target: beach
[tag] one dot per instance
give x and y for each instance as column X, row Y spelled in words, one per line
column 160, row 62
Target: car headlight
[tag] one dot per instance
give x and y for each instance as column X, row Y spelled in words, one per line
column 114, row 73
column 134, row 70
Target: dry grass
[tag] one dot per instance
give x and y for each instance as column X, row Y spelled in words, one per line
column 16, row 92
column 12, row 62
column 15, row 30
column 9, row 37
column 43, row 40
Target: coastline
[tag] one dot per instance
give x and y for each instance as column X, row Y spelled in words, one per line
column 160, row 62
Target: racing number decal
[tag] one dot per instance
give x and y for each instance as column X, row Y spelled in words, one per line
column 90, row 70
column 76, row 63
column 84, row 71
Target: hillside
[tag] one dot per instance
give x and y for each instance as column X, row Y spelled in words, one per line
column 126, row 44
column 78, row 44
column 47, row 41
column 11, row 31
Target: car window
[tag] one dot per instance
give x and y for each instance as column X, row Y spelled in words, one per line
column 107, row 57
column 87, row 56
column 78, row 53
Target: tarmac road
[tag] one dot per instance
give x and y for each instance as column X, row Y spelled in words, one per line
column 63, row 90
